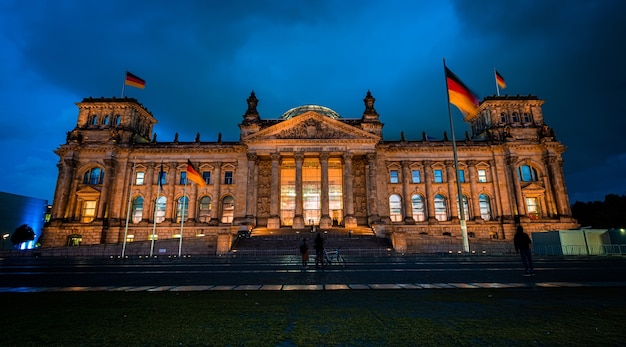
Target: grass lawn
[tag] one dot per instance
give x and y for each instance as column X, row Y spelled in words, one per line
column 434, row 317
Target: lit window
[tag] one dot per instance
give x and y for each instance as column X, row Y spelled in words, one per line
column 207, row 177
column 532, row 206
column 393, row 176
column 139, row 178
column 89, row 211
column 93, row 176
column 182, row 208
column 395, row 208
column 440, row 208
column 160, row 209
column 438, row 175
column 228, row 177
column 415, row 176
column 417, row 204
column 485, row 207
column 482, row 175
column 137, row 209
column 527, row 173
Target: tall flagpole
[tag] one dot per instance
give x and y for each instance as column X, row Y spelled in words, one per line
column 130, row 197
column 182, row 219
column 156, row 204
column 495, row 77
column 123, row 87
column 456, row 168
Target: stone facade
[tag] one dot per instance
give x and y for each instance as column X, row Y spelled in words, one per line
column 308, row 167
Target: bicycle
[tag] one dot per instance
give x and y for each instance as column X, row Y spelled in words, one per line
column 334, row 257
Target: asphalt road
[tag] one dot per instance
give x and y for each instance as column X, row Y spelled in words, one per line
column 32, row 273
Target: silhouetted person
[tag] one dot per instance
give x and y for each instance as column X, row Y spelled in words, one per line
column 319, row 250
column 304, row 253
column 522, row 243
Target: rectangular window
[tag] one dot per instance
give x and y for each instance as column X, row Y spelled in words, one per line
column 438, row 176
column 89, row 211
column 183, row 177
column 482, row 175
column 228, row 177
column 393, row 176
column 207, row 177
column 139, row 178
column 415, row 176
column 462, row 176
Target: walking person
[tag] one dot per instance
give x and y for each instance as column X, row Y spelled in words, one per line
column 522, row 243
column 319, row 250
column 304, row 253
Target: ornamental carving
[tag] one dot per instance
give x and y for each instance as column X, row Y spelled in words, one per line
column 313, row 129
column 264, row 187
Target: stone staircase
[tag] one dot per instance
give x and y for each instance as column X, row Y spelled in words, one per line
column 358, row 241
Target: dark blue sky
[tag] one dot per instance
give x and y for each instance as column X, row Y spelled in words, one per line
column 201, row 60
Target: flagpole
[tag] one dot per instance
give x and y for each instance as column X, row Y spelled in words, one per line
column 130, row 197
column 495, row 76
column 456, row 168
column 123, row 87
column 156, row 203
column 182, row 219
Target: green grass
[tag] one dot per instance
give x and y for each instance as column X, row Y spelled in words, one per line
column 493, row 317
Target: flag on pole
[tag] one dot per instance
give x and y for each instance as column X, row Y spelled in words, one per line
column 193, row 175
column 134, row 81
column 500, row 80
column 460, row 95
column 161, row 177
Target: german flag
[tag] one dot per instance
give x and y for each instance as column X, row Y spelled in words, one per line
column 460, row 95
column 134, row 81
column 193, row 175
column 500, row 80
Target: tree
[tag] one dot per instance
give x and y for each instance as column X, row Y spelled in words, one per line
column 23, row 233
column 602, row 214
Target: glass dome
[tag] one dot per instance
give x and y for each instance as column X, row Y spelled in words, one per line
column 296, row 111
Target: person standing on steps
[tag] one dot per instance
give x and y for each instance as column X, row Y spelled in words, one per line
column 522, row 243
column 304, row 253
column 319, row 250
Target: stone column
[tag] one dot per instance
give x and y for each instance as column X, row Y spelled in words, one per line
column 109, row 173
column 452, row 191
column 251, row 186
column 348, row 196
column 172, row 204
column 371, row 189
column 520, row 204
column 148, row 205
column 63, row 190
column 474, row 199
column 274, row 221
column 556, row 175
column 406, row 191
column 430, row 197
column 298, row 219
column 216, row 200
column 325, row 220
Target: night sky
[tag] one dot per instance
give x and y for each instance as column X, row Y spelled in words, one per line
column 201, row 60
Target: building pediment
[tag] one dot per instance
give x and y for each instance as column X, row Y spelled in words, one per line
column 311, row 125
column 533, row 186
column 88, row 192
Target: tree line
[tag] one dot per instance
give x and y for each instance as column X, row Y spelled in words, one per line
column 609, row 214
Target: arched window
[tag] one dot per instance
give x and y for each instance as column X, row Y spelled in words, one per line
column 228, row 209
column 137, row 209
column 93, row 176
column 485, row 206
column 106, row 120
column 440, row 208
column 515, row 117
column 118, row 119
column 94, row 120
column 159, row 211
column 466, row 213
column 204, row 211
column 527, row 173
column 395, row 208
column 502, row 117
column 526, row 117
column 182, row 209
column 417, row 204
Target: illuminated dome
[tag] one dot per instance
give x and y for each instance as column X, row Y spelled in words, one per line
column 296, row 111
